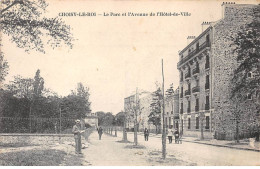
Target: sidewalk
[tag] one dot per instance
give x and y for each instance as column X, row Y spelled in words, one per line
column 246, row 144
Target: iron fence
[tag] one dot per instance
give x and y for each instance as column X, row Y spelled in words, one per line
column 36, row 125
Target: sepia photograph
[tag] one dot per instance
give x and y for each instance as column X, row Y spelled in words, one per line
column 129, row 83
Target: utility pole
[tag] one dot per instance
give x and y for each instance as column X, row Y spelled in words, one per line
column 163, row 114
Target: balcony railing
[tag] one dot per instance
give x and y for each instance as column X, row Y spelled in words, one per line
column 188, row 110
column 187, row 75
column 207, row 86
column 196, row 89
column 191, row 54
column 187, row 92
column 206, row 106
column 197, row 108
column 195, row 71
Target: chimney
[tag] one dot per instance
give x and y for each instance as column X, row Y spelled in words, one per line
column 190, row 39
column 224, row 5
column 205, row 25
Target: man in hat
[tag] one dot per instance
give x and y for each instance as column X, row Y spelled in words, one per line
column 77, row 135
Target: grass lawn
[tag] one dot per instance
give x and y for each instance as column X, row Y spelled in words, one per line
column 32, row 158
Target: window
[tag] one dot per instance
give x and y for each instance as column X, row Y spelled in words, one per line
column 197, row 82
column 207, row 82
column 188, row 109
column 207, row 99
column 249, row 96
column 197, row 105
column 207, row 39
column 207, row 122
column 249, row 74
column 197, row 122
column 188, row 123
column 197, row 47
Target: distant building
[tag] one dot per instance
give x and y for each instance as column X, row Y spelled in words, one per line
column 172, row 110
column 206, row 68
column 91, row 119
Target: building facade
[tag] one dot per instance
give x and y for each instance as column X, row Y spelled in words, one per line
column 172, row 110
column 206, row 69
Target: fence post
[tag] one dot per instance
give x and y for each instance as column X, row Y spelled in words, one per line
column 116, row 131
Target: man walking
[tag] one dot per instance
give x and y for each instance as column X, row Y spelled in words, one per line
column 170, row 134
column 77, row 136
column 100, row 132
column 176, row 134
column 146, row 134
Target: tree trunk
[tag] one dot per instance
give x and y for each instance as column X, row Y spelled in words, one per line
column 124, row 132
column 135, row 133
column 163, row 114
column 201, row 129
column 237, row 131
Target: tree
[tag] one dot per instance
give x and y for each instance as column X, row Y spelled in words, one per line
column 21, row 87
column 24, row 22
column 38, row 84
column 155, row 106
column 246, row 77
column 4, row 67
column 120, row 118
column 101, row 116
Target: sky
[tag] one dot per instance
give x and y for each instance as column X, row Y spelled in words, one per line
column 114, row 55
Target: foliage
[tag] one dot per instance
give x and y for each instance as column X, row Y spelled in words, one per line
column 4, row 67
column 27, row 98
column 25, row 23
column 247, row 48
column 120, row 118
column 101, row 116
column 155, row 114
column 105, row 119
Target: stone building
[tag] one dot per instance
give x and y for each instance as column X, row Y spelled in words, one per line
column 144, row 98
column 172, row 110
column 206, row 68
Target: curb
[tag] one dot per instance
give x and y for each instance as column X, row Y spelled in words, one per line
column 217, row 145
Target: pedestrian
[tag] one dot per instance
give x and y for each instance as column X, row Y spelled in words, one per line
column 100, row 132
column 176, row 134
column 146, row 134
column 77, row 136
column 170, row 134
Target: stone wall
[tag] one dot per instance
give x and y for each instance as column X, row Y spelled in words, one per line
column 224, row 64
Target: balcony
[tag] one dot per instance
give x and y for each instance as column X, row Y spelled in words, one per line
column 207, row 86
column 187, row 75
column 197, row 108
column 195, row 71
column 188, row 110
column 206, row 106
column 196, row 89
column 187, row 92
column 191, row 54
